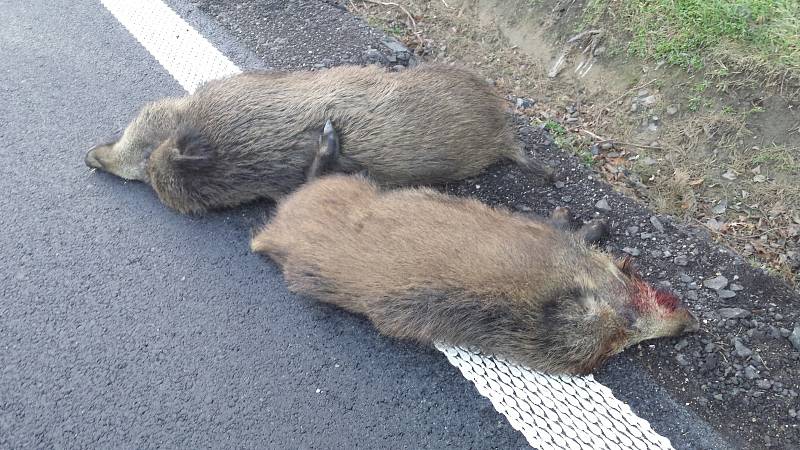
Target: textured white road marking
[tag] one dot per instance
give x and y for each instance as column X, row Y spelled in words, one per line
column 183, row 52
column 551, row 412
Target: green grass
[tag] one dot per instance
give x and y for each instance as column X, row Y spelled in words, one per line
column 393, row 29
column 690, row 33
column 778, row 157
column 555, row 128
column 396, row 30
column 700, row 87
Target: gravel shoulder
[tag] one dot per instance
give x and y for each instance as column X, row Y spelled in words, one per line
column 292, row 35
column 741, row 373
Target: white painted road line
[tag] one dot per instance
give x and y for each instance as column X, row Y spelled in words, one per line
column 551, row 412
column 183, row 52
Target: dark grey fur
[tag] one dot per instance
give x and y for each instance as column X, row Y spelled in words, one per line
column 255, row 135
column 431, row 267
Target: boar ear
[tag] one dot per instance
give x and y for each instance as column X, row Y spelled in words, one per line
column 625, row 265
column 193, row 152
column 192, row 144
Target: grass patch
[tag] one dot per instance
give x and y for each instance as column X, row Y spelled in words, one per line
column 777, row 157
column 555, row 128
column 689, row 32
column 694, row 103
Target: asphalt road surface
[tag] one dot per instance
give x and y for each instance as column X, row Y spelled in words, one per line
column 123, row 323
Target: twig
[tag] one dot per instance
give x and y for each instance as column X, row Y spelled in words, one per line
column 582, row 35
column 735, row 237
column 593, row 136
column 446, row 5
column 601, row 140
column 410, row 18
column 631, row 144
column 636, row 88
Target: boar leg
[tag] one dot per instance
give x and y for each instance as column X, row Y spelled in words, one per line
column 327, row 154
column 537, row 169
column 594, row 231
column 126, row 156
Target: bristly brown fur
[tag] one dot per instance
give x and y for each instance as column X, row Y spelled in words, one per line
column 427, row 125
column 430, row 267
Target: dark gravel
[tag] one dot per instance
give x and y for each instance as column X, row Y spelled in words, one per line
column 300, row 34
column 741, row 373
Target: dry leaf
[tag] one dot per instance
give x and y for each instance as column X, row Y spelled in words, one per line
column 714, row 224
column 681, row 176
column 777, row 209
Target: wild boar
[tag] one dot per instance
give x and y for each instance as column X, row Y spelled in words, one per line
column 430, row 267
column 254, row 135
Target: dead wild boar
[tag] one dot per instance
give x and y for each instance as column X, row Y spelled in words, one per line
column 254, row 135
column 430, row 267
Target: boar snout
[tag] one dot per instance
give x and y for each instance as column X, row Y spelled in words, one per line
column 92, row 160
column 692, row 325
column 95, row 156
column 108, row 157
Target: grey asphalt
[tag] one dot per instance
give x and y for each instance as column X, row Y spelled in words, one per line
column 123, row 324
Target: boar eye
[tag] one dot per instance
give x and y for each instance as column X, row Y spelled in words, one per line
column 629, row 316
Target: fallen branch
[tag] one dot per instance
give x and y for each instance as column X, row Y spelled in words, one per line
column 602, row 140
column 631, row 144
column 594, row 136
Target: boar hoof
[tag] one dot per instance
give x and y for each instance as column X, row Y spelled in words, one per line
column 594, row 231
column 329, row 143
column 327, row 153
column 561, row 218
